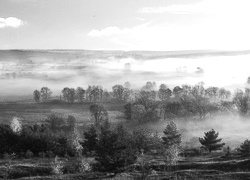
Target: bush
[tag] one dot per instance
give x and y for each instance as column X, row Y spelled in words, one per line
column 41, row 154
column 57, row 166
column 8, row 140
column 50, row 154
column 29, row 154
column 80, row 165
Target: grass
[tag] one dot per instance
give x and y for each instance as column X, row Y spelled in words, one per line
column 36, row 113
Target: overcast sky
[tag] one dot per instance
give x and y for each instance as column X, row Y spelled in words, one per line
column 125, row 24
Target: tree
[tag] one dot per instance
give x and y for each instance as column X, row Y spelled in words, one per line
column 198, row 90
column 170, row 108
column 147, row 106
column 74, row 142
column 37, row 96
column 244, row 148
column 69, row 94
column 186, row 89
column 127, row 85
column 138, row 112
column 94, row 93
column 99, row 113
column 164, row 92
column 80, row 92
column 128, row 110
column 241, row 100
column 90, row 139
column 118, row 92
column 150, row 86
column 210, row 141
column 72, row 93
column 126, row 94
column 114, row 149
column 201, row 105
column 54, row 121
column 171, row 135
column 71, row 121
column 222, row 93
column 212, row 92
column 248, row 80
column 177, row 91
column 45, row 94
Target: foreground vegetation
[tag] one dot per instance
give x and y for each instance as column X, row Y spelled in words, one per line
column 58, row 147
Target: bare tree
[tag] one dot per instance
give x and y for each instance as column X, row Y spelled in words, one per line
column 164, row 92
column 45, row 94
column 99, row 113
column 80, row 92
column 118, row 91
column 69, row 94
column 37, row 96
column 241, row 100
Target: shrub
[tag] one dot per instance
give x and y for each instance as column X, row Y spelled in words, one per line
column 171, row 155
column 41, row 154
column 50, row 154
column 8, row 140
column 29, row 154
column 57, row 166
column 80, row 165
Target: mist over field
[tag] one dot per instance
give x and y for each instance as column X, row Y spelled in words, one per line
column 22, row 71
column 233, row 129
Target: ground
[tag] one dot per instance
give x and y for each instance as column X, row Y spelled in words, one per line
column 210, row 166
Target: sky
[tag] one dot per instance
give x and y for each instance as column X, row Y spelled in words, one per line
column 139, row 25
column 125, row 24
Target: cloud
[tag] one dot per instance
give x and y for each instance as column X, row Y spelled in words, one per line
column 140, row 19
column 11, row 22
column 108, row 31
column 220, row 24
column 202, row 7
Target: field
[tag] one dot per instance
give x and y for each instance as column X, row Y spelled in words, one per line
column 32, row 113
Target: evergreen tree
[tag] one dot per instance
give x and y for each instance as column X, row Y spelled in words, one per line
column 114, row 149
column 171, row 135
column 90, row 139
column 211, row 142
column 245, row 148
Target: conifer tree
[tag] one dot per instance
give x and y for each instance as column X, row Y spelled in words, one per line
column 211, row 142
column 171, row 135
column 90, row 139
column 245, row 148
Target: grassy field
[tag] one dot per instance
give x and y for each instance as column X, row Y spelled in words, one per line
column 32, row 113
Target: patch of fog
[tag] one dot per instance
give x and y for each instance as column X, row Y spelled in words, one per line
column 233, row 130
